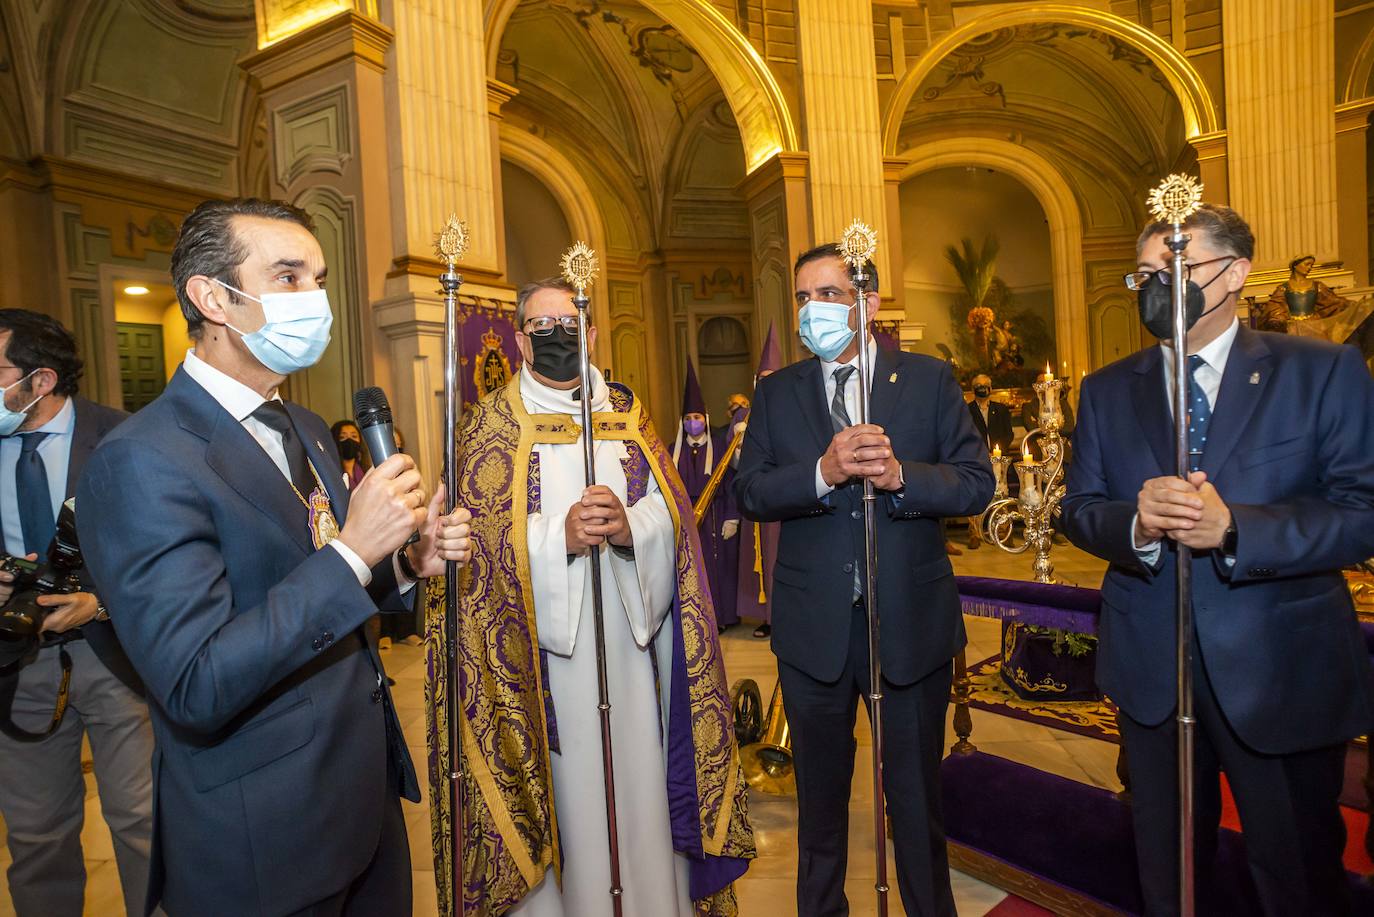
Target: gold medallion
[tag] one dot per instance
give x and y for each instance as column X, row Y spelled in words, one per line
column 323, row 527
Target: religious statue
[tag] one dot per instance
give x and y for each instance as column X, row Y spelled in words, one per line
column 1299, row 298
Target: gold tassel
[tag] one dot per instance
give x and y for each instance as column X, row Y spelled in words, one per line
column 758, row 562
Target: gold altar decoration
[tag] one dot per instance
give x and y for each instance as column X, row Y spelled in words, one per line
column 858, row 244
column 1036, row 505
column 452, row 242
column 579, row 266
column 1175, row 199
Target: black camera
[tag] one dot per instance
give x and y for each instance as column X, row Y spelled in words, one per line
column 21, row 620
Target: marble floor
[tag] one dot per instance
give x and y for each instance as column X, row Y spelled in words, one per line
column 769, row 887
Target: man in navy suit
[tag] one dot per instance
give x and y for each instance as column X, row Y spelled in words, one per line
column 1280, row 497
column 43, row 791
column 802, row 465
column 239, row 573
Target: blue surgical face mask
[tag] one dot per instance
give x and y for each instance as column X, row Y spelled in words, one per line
column 825, row 328
column 13, row 420
column 295, row 329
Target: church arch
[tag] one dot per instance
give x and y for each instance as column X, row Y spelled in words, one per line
column 765, row 122
column 1061, row 209
column 1357, row 85
column 1199, row 112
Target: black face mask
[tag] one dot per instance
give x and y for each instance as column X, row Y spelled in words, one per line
column 981, row 391
column 1156, row 302
column 555, row 355
column 349, row 450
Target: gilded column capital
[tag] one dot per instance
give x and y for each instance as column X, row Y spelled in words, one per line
column 498, row 94
column 345, row 36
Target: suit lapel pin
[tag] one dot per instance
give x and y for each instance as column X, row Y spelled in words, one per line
column 892, row 378
column 319, row 445
column 1254, row 378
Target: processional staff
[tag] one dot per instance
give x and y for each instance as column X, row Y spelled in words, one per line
column 1176, row 199
column 579, row 268
column 451, row 244
column 857, row 246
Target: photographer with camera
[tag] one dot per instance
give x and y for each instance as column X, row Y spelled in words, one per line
column 46, row 434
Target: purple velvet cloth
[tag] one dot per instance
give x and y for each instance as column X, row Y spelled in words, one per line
column 1063, row 607
column 1079, row 836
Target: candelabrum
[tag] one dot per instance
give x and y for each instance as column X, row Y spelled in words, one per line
column 1036, row 505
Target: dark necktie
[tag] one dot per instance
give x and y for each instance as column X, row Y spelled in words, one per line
column 35, row 500
column 273, row 414
column 839, row 414
column 839, row 419
column 1199, row 415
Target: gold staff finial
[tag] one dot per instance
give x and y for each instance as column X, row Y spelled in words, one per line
column 1177, row 198
column 579, row 265
column 858, row 244
column 452, row 242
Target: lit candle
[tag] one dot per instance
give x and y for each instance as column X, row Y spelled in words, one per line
column 1026, row 453
column 1049, row 373
column 996, row 451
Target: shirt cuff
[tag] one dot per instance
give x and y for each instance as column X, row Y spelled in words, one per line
column 822, row 488
column 1148, row 553
column 360, row 569
column 403, row 583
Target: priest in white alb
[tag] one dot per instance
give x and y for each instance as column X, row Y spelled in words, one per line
column 535, row 833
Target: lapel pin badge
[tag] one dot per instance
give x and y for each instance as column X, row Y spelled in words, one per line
column 319, row 445
column 1254, row 378
column 892, row 378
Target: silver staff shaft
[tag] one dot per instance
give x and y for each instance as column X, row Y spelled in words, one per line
column 453, row 408
column 875, row 666
column 603, row 693
column 1178, row 244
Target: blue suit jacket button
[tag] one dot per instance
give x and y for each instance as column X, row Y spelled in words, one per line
column 848, row 568
column 328, row 637
column 318, row 644
column 855, row 514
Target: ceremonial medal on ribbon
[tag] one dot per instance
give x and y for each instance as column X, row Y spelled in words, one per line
column 324, row 528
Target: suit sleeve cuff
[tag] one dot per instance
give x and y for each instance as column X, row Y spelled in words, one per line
column 355, row 563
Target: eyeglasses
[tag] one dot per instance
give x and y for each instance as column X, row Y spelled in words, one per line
column 545, row 324
column 1136, row 280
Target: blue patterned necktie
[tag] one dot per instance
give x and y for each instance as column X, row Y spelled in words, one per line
column 1199, row 415
column 35, row 501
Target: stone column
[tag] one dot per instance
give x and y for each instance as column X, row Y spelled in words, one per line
column 1212, row 168
column 780, row 227
column 443, row 153
column 1352, row 186
column 843, row 123
column 322, row 88
column 1280, row 83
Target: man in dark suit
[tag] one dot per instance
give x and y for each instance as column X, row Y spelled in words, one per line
column 239, row 572
column 1280, row 497
column 802, row 465
column 991, row 418
column 42, row 795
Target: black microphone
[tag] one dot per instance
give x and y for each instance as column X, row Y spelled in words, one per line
column 372, row 414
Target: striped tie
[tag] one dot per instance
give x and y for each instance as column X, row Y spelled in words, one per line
column 1199, row 415
column 839, row 415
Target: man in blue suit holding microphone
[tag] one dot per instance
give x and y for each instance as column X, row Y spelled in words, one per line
column 238, row 573
column 1280, row 497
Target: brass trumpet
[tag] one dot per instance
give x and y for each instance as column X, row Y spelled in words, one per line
column 767, row 762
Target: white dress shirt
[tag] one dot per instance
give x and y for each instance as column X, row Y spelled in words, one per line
column 241, row 401
column 851, row 398
column 1208, row 376
column 55, row 451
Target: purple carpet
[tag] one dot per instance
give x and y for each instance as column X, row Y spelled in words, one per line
column 1077, row 836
